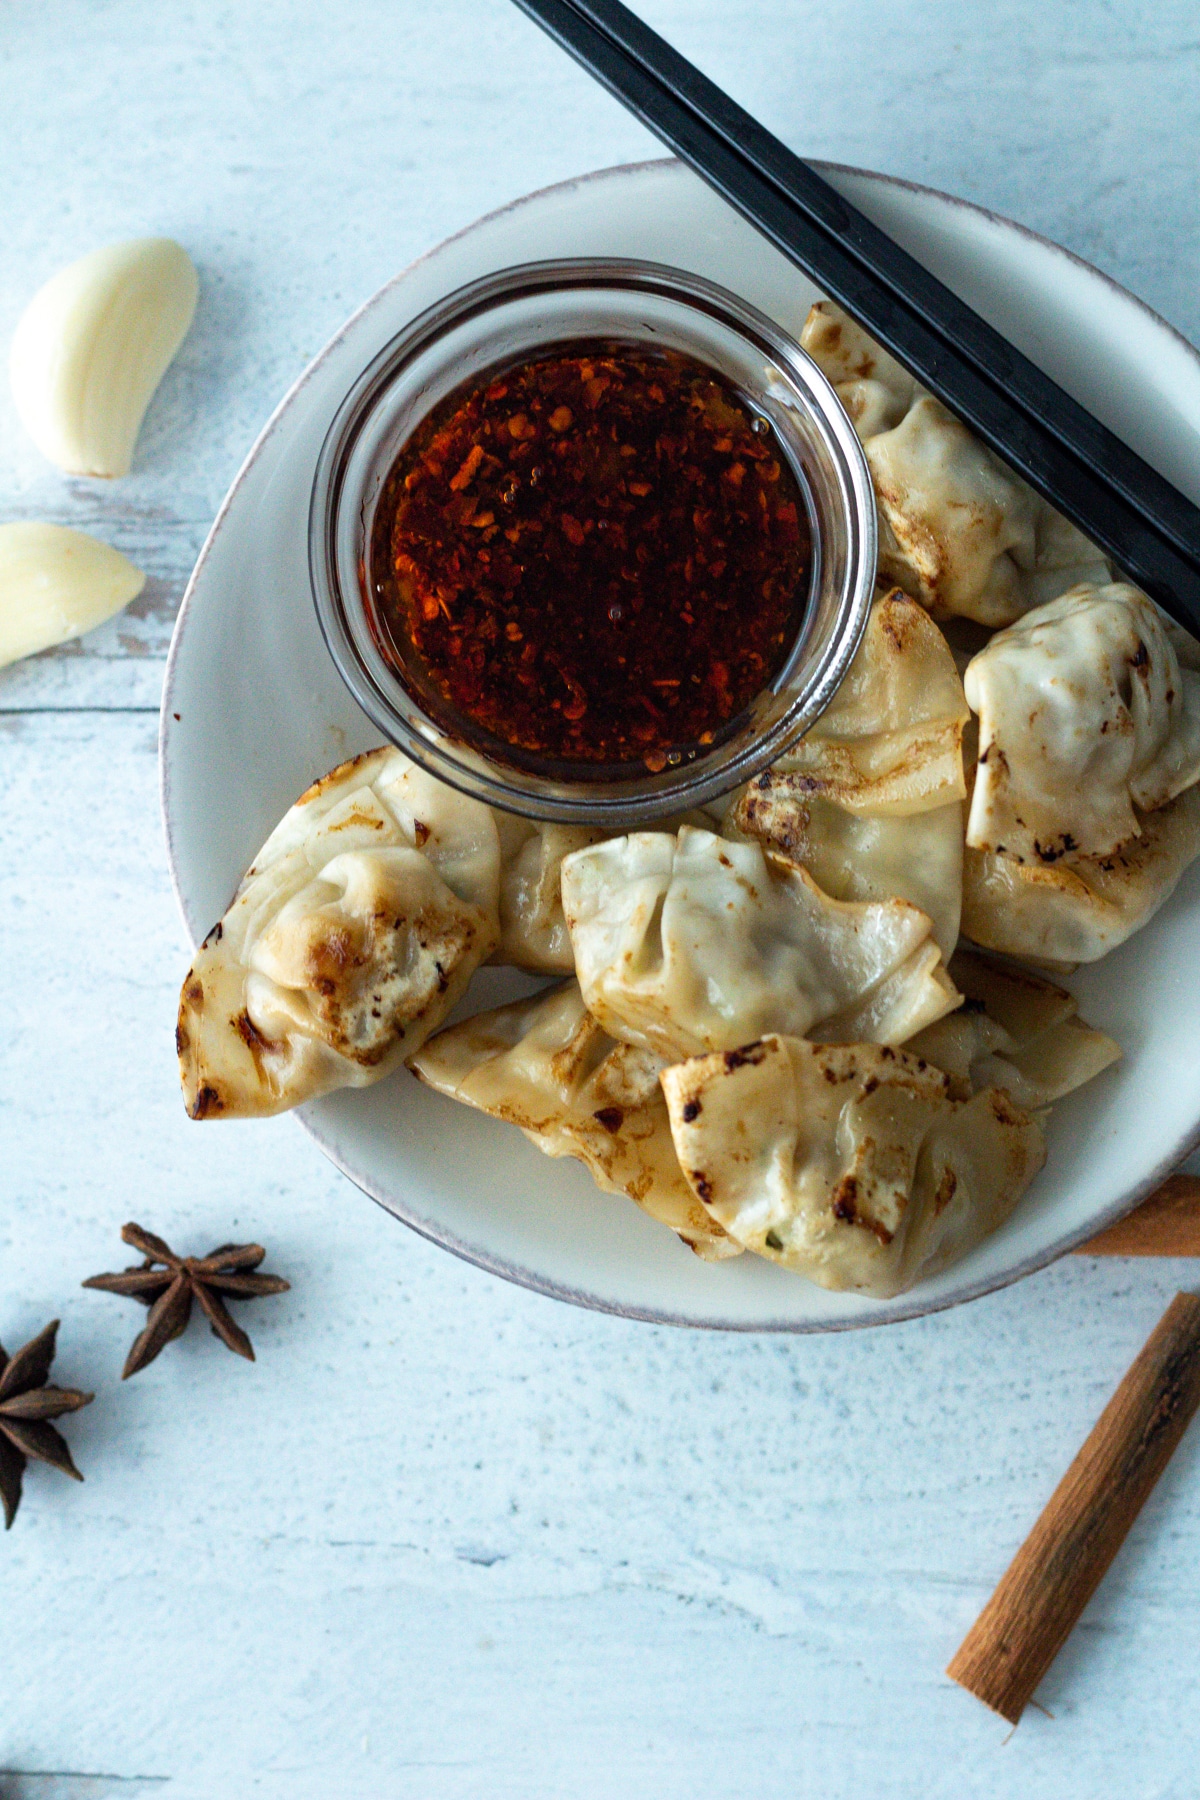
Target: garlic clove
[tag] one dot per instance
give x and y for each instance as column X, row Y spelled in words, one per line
column 56, row 584
column 92, row 346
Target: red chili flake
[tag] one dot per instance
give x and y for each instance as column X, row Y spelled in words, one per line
column 470, row 464
column 575, row 642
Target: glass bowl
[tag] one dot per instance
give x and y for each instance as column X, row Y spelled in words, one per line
column 521, row 312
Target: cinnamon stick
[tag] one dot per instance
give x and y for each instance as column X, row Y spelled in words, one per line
column 1167, row 1224
column 1059, row 1566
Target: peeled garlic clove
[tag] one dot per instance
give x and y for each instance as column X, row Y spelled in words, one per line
column 56, row 584
column 92, row 346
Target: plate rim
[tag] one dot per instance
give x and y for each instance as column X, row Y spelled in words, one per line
column 895, row 1312
column 882, row 1313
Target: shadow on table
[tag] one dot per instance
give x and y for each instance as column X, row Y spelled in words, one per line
column 69, row 1784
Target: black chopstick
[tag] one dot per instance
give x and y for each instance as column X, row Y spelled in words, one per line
column 1147, row 527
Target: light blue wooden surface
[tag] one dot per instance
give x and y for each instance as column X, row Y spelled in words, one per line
column 448, row 1539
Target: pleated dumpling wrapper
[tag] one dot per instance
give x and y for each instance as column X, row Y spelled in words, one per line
column 1015, row 1030
column 957, row 530
column 852, row 856
column 870, row 800
column 689, row 942
column 1079, row 908
column 889, row 744
column 363, row 918
column 545, row 1065
column 850, row 1164
column 1084, row 713
column 533, row 928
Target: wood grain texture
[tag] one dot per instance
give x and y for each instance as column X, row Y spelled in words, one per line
column 1065, row 1557
column 447, row 1538
column 1167, row 1224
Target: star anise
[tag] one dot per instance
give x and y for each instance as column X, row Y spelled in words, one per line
column 170, row 1289
column 27, row 1403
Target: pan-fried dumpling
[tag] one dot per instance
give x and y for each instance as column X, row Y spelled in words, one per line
column 890, row 741
column 957, row 529
column 1079, row 908
column 457, row 835
column 1084, row 713
column 869, row 801
column 1015, row 1031
column 853, row 856
column 533, row 930
column 851, row 1164
column 545, row 1065
column 691, row 943
column 358, row 927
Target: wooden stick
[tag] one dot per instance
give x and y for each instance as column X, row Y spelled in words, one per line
column 1167, row 1224
column 1059, row 1566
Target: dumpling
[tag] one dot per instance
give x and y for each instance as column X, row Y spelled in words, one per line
column 957, row 530
column 363, row 918
column 533, row 930
column 1079, row 908
column 870, row 800
column 1015, row 1031
column 855, row 857
column 852, row 1165
column 1084, row 714
column 692, row 943
column 545, row 1065
column 890, row 741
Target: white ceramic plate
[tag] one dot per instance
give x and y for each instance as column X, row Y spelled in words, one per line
column 254, row 710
